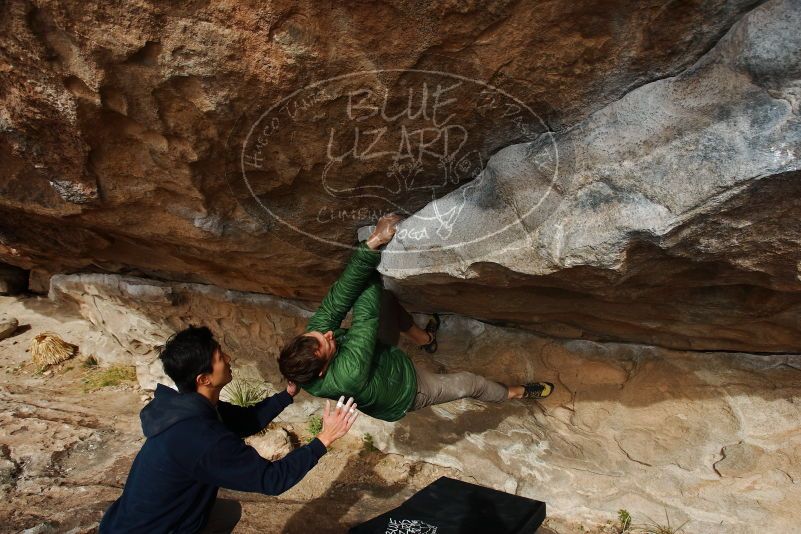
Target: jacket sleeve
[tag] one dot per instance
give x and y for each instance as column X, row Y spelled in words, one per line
column 351, row 368
column 345, row 291
column 230, row 463
column 247, row 421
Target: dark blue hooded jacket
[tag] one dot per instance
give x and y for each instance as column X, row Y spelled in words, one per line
column 190, row 452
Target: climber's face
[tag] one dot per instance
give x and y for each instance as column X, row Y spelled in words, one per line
column 326, row 349
column 327, row 344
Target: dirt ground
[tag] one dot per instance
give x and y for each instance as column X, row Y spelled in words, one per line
column 65, row 451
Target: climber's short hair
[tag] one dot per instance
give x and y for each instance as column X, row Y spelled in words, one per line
column 297, row 361
column 188, row 353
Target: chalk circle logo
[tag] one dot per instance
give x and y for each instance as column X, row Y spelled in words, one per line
column 409, row 526
column 339, row 153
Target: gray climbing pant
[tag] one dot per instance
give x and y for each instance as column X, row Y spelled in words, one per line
column 433, row 388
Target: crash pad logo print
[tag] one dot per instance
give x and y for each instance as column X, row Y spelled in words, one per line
column 409, row 526
column 395, row 140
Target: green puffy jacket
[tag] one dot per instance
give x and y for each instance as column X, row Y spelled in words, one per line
column 379, row 377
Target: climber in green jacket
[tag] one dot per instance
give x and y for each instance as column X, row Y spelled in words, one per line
column 332, row 362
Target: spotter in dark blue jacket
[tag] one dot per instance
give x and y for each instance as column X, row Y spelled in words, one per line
column 192, row 450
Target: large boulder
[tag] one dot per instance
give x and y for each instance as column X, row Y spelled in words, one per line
column 670, row 217
column 140, row 314
column 709, row 438
column 239, row 146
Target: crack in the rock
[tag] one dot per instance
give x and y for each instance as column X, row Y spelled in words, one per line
column 276, row 330
column 65, row 483
column 28, row 404
column 790, row 366
column 722, row 457
column 630, row 457
column 788, row 475
column 91, row 425
column 590, row 471
column 573, row 394
column 715, row 465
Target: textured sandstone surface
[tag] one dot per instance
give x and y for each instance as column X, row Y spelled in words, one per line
column 65, row 453
column 669, row 217
column 619, row 179
column 141, row 314
column 713, row 438
column 8, row 325
column 61, row 451
column 127, row 130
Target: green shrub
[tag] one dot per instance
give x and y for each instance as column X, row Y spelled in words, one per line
column 315, row 425
column 110, row 376
column 623, row 521
column 369, row 445
column 243, row 392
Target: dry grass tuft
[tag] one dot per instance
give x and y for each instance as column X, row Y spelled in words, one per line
column 49, row 349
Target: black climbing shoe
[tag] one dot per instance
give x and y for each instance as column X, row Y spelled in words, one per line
column 537, row 390
column 431, row 329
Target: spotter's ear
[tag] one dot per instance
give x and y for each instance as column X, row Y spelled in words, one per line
column 202, row 379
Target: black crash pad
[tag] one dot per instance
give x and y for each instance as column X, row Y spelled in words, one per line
column 450, row 506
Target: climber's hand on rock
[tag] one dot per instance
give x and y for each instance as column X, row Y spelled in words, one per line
column 384, row 230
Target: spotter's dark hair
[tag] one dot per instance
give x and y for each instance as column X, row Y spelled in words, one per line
column 187, row 354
